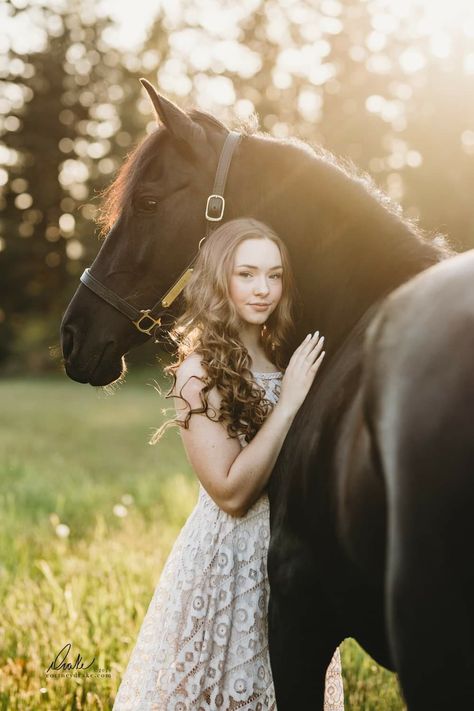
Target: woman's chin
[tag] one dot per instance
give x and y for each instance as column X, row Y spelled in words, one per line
column 257, row 320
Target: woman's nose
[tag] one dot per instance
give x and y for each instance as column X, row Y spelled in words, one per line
column 262, row 287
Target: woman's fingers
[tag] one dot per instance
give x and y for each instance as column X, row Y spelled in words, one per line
column 315, row 349
column 318, row 361
column 301, row 370
column 308, row 342
column 317, row 344
column 313, row 340
column 308, row 349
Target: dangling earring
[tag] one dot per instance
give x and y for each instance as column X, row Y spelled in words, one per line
column 264, row 333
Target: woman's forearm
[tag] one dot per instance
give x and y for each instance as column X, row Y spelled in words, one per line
column 251, row 469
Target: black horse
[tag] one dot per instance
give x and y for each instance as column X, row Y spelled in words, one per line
column 372, row 496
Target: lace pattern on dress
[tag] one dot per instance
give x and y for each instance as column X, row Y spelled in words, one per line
column 203, row 642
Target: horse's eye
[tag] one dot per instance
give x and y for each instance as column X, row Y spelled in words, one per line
column 146, row 204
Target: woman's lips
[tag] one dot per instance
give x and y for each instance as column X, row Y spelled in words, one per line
column 260, row 307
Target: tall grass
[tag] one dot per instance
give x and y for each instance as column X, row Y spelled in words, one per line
column 89, row 513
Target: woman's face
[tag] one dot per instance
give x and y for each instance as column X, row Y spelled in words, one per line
column 256, row 278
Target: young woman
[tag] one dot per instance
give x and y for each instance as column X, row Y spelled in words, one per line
column 203, row 643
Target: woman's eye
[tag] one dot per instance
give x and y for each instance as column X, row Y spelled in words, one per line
column 277, row 276
column 146, row 204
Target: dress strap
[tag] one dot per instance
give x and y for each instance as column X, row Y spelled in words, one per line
column 267, row 375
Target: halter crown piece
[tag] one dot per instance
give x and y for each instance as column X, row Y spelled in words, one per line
column 148, row 319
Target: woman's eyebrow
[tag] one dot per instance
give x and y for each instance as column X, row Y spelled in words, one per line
column 252, row 266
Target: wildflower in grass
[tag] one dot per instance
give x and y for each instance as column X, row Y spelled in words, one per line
column 62, row 530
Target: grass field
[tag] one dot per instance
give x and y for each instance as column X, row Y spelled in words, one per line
column 89, row 513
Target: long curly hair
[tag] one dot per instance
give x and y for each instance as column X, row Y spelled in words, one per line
column 210, row 324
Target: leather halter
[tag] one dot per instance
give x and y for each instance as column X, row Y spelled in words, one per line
column 214, row 213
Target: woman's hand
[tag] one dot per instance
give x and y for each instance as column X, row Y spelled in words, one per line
column 300, row 372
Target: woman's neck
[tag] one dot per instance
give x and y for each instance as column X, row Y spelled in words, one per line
column 250, row 335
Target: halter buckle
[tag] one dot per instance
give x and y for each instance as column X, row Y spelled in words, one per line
column 146, row 315
column 215, row 203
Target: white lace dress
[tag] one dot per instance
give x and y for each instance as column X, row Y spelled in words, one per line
column 203, row 642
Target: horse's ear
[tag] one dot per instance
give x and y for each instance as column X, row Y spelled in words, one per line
column 174, row 118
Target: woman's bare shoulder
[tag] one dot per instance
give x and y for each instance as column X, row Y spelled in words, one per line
column 190, row 366
column 190, row 376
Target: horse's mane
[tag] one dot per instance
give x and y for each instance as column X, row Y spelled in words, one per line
column 119, row 193
column 356, row 180
column 349, row 242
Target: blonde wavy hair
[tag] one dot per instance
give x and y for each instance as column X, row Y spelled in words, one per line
column 209, row 326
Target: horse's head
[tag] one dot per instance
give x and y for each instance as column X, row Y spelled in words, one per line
column 156, row 220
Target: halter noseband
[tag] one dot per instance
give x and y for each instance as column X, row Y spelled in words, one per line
column 214, row 213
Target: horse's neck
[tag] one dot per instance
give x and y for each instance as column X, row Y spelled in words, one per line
column 346, row 249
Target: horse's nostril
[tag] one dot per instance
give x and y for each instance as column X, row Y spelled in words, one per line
column 67, row 341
